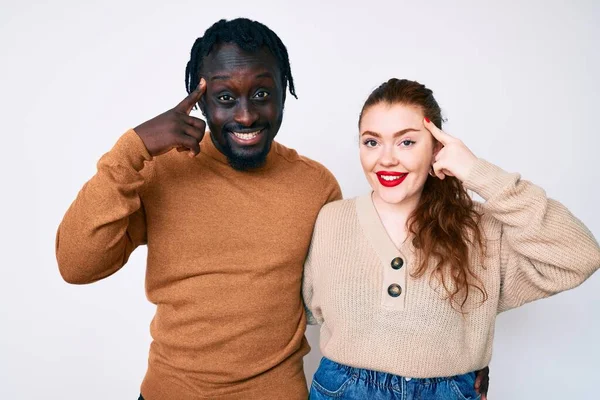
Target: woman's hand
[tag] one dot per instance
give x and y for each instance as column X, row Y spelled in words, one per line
column 454, row 159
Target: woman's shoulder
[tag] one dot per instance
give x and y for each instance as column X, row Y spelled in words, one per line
column 488, row 225
column 339, row 212
column 336, row 221
column 338, row 208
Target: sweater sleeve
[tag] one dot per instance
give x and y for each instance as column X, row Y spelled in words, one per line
column 332, row 192
column 544, row 249
column 332, row 187
column 106, row 222
column 313, row 311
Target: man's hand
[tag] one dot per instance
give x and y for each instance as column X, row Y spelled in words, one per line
column 482, row 382
column 175, row 128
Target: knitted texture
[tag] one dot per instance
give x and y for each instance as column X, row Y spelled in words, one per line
column 225, row 256
column 534, row 248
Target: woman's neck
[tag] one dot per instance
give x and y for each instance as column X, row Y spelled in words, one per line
column 394, row 216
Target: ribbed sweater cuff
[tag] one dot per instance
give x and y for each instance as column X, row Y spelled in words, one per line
column 487, row 179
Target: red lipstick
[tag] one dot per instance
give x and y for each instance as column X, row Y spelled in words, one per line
column 391, row 179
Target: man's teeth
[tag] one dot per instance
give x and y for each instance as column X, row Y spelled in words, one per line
column 390, row 178
column 246, row 136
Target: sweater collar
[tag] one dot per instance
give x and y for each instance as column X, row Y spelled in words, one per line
column 395, row 262
column 377, row 234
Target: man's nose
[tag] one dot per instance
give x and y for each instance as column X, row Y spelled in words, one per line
column 245, row 114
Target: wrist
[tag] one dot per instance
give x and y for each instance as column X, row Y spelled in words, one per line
column 469, row 164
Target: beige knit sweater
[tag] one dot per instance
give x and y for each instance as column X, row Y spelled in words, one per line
column 535, row 248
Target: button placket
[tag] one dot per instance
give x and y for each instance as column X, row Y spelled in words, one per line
column 387, row 253
column 395, row 290
column 394, row 279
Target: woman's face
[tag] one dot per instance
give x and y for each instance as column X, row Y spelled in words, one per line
column 396, row 152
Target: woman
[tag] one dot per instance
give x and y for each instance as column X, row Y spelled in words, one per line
column 407, row 281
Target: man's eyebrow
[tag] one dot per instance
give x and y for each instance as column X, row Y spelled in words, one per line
column 397, row 134
column 265, row 75
column 227, row 77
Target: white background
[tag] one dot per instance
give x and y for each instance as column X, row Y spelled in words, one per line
column 518, row 82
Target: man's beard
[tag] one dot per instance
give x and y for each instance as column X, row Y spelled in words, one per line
column 237, row 158
column 242, row 162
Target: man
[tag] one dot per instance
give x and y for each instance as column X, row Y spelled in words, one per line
column 227, row 219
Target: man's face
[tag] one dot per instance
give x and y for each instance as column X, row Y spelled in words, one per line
column 243, row 103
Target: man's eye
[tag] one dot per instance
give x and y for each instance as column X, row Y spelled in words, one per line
column 225, row 97
column 262, row 95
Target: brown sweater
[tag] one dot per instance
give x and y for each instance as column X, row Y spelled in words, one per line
column 225, row 257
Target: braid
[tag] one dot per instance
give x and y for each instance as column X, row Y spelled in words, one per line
column 248, row 35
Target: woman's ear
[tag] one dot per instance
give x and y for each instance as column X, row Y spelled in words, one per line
column 437, row 146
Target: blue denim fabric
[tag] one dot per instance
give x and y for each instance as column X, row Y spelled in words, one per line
column 337, row 381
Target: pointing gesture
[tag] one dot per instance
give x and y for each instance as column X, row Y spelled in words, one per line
column 190, row 101
column 175, row 128
column 454, row 159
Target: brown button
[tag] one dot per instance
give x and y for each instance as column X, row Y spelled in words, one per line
column 394, row 290
column 397, row 263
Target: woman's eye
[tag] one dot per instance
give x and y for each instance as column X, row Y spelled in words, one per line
column 225, row 97
column 370, row 143
column 407, row 143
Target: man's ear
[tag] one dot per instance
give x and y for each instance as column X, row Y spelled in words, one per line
column 202, row 105
column 202, row 101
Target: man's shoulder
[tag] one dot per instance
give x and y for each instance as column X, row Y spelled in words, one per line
column 311, row 174
column 296, row 160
